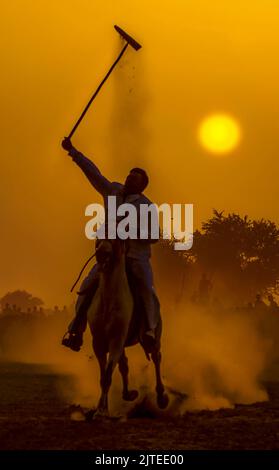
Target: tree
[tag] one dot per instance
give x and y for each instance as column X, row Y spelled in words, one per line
column 242, row 252
column 21, row 299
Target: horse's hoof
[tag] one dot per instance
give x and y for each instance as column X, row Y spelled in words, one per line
column 131, row 395
column 101, row 414
column 163, row 401
column 89, row 415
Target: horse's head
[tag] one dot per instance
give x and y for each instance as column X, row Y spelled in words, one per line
column 109, row 252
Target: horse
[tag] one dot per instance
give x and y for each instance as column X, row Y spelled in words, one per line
column 111, row 318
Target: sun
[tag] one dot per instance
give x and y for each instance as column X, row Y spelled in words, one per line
column 219, row 133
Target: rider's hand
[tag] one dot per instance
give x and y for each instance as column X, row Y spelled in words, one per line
column 67, row 144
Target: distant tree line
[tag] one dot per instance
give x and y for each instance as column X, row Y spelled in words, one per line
column 242, row 252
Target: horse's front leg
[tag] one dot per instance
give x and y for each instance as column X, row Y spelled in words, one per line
column 102, row 408
column 162, row 397
column 128, row 395
column 107, row 367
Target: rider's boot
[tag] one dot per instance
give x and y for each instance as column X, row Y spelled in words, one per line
column 73, row 338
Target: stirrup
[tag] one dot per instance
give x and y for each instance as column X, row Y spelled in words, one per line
column 151, row 334
column 149, row 341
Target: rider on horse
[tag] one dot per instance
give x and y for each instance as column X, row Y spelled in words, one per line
column 137, row 255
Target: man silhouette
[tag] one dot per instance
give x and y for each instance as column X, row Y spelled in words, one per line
column 205, row 288
column 137, row 255
column 260, row 305
column 273, row 306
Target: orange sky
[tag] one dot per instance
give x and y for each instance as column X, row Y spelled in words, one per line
column 198, row 57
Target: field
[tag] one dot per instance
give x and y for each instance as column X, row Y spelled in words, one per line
column 34, row 415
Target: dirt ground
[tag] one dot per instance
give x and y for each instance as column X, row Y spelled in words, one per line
column 34, row 416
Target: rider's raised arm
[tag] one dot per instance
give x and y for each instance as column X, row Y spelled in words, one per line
column 93, row 174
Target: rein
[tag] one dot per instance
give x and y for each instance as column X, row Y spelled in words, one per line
column 86, row 263
column 83, row 268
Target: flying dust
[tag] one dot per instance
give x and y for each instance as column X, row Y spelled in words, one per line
column 212, row 358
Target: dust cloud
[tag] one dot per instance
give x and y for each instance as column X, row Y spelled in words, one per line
column 128, row 124
column 212, row 357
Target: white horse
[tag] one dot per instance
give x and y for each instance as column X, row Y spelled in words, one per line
column 111, row 318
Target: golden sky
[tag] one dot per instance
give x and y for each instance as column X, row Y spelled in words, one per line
column 199, row 57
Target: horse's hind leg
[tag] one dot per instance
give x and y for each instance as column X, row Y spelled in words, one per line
column 162, row 397
column 128, row 395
